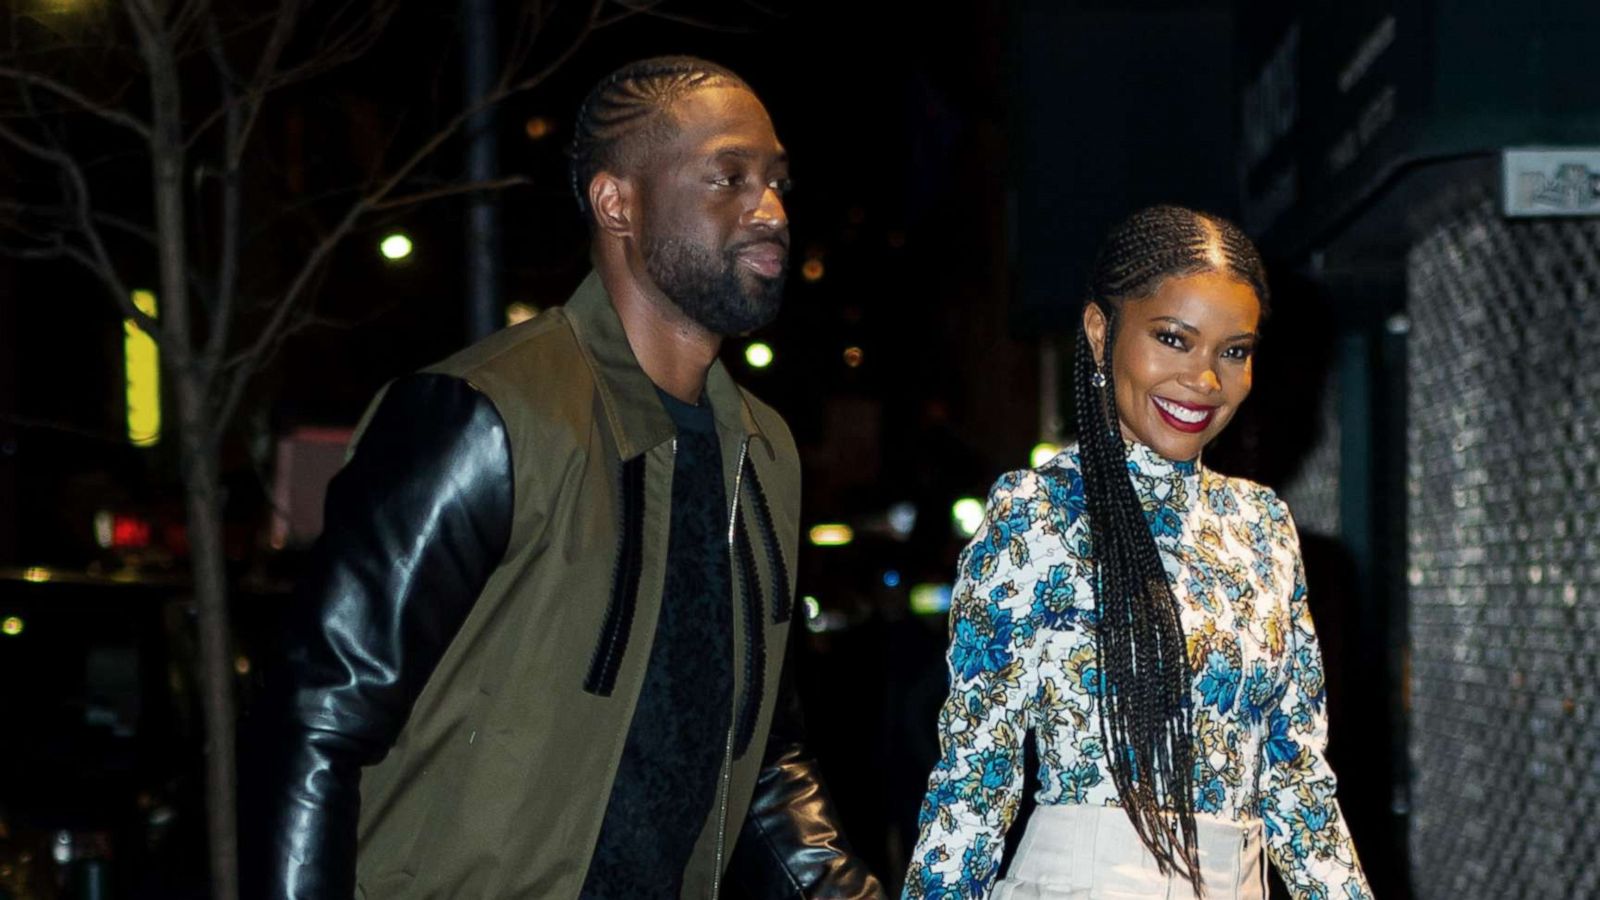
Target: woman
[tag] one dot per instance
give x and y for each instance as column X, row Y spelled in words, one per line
column 1145, row 617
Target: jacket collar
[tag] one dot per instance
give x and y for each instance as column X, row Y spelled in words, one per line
column 637, row 419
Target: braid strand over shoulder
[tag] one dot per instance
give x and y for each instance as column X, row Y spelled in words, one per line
column 1145, row 718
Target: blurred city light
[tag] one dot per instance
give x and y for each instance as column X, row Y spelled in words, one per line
column 832, row 534
column 902, row 519
column 103, row 522
column 930, row 599
column 967, row 515
column 812, row 270
column 1043, row 453
column 891, row 578
column 519, row 312
column 395, row 246
column 538, row 128
column 813, row 608
column 853, row 356
column 142, row 371
column 241, row 664
column 758, row 355
column 36, row 574
column 12, row 626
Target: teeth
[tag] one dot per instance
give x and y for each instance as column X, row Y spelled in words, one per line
column 1182, row 414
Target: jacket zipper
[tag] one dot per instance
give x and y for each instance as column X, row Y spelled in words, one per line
column 727, row 748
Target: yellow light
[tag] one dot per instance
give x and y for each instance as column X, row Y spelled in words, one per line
column 395, row 246
column 241, row 664
column 12, row 626
column 832, row 534
column 1042, row 453
column 812, row 270
column 519, row 312
column 853, row 356
column 537, row 128
column 37, row 575
column 758, row 355
column 142, row 370
column 967, row 514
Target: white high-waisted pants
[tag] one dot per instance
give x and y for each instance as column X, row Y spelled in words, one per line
column 1073, row 852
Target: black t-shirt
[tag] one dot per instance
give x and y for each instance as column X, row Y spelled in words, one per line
column 669, row 775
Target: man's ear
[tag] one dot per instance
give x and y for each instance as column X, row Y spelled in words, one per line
column 612, row 200
column 1094, row 325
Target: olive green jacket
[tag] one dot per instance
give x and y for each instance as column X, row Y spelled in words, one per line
column 497, row 784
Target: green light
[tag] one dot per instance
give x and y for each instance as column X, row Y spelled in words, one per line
column 1042, row 453
column 930, row 599
column 813, row 608
column 758, row 355
column 395, row 246
column 967, row 515
column 12, row 626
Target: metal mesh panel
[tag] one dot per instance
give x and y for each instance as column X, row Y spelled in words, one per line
column 1313, row 495
column 1504, row 555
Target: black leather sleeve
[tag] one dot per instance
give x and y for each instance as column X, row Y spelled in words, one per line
column 414, row 525
column 791, row 845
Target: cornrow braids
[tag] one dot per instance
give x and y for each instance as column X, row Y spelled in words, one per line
column 1146, row 717
column 625, row 114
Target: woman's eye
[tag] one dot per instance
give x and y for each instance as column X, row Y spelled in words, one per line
column 1238, row 353
column 1171, row 339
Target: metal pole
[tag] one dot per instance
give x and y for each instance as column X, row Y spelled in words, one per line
column 479, row 57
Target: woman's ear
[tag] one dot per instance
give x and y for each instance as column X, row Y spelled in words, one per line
column 1094, row 325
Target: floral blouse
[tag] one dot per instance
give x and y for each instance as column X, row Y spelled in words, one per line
column 1022, row 655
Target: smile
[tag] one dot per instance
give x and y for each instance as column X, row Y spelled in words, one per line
column 1184, row 417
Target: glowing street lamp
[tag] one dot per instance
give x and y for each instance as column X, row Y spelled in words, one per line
column 395, row 246
column 758, row 355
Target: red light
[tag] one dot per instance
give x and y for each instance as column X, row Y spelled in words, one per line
column 129, row 533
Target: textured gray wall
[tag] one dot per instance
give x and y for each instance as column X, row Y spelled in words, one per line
column 1504, row 555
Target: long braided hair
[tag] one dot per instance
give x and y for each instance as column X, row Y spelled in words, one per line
column 1146, row 720
column 624, row 116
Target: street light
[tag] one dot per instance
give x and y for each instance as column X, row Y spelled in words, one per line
column 395, row 246
column 758, row 355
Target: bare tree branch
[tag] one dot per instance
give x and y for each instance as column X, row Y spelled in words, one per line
column 76, row 98
column 297, row 289
column 97, row 260
column 473, row 187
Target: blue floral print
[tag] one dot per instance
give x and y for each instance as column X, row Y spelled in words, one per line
column 1022, row 657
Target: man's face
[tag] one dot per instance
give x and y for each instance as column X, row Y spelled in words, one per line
column 1181, row 360
column 714, row 235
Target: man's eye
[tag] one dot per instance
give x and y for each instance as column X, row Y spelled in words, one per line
column 733, row 180
column 782, row 185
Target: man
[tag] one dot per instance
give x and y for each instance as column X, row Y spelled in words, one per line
column 549, row 610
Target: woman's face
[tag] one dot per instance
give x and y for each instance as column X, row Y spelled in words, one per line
column 1181, row 360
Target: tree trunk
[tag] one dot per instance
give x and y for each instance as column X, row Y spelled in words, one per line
column 216, row 673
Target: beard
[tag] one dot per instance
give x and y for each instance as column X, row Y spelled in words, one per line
column 718, row 293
